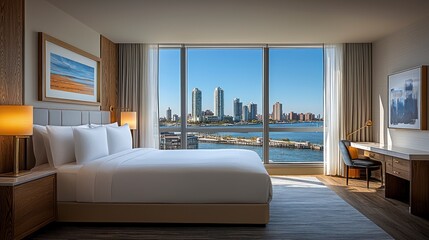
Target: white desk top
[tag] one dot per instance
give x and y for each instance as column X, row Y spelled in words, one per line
column 13, row 181
column 399, row 152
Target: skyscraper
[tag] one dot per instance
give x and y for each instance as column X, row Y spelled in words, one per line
column 277, row 111
column 245, row 115
column 196, row 105
column 253, row 111
column 168, row 115
column 237, row 109
column 218, row 103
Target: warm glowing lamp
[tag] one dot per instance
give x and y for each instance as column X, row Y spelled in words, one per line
column 129, row 118
column 16, row 121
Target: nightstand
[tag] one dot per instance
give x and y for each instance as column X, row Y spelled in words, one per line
column 27, row 203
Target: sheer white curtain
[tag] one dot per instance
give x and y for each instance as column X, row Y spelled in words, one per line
column 333, row 105
column 149, row 120
column 138, row 90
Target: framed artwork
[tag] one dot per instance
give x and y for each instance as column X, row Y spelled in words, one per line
column 66, row 73
column 407, row 99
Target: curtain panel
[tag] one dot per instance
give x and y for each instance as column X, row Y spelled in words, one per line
column 138, row 90
column 333, row 104
column 348, row 99
column 357, row 87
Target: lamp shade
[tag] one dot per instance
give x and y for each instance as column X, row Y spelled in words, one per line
column 16, row 120
column 130, row 118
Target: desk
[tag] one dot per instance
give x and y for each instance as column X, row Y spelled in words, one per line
column 406, row 174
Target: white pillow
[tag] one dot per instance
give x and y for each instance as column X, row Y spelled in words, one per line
column 47, row 148
column 93, row 125
column 62, row 144
column 119, row 139
column 90, row 144
column 39, row 145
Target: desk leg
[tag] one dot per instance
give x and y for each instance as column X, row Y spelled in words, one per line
column 397, row 188
column 419, row 199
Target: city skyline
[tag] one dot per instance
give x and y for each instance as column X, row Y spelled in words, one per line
column 240, row 112
column 296, row 78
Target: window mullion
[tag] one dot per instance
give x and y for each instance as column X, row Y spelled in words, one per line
column 183, row 98
column 265, row 103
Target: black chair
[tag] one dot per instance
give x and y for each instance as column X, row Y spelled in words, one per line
column 358, row 163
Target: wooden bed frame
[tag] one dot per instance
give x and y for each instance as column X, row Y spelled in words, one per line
column 141, row 213
column 164, row 213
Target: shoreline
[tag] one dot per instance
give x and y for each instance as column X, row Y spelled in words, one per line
column 258, row 142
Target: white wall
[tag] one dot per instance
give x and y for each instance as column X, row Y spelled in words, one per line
column 41, row 16
column 401, row 50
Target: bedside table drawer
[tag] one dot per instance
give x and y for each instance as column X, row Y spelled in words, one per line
column 34, row 204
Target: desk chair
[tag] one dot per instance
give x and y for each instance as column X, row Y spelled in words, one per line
column 358, row 163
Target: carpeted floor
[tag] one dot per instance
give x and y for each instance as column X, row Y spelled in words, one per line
column 302, row 208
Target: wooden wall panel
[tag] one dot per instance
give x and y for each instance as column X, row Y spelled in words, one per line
column 109, row 75
column 11, row 67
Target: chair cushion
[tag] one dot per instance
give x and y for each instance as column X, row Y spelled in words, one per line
column 354, row 152
column 365, row 163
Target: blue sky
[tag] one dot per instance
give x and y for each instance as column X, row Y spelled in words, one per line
column 296, row 77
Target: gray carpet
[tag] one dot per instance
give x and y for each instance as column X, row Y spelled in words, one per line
column 302, row 208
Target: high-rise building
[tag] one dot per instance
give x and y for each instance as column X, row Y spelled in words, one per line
column 309, row 117
column 293, row 116
column 245, row 113
column 301, row 117
column 168, row 115
column 196, row 104
column 238, row 109
column 175, row 117
column 218, row 103
column 253, row 111
column 277, row 111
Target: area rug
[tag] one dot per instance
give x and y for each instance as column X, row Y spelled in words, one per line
column 301, row 208
column 307, row 209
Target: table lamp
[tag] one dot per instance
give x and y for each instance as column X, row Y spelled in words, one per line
column 16, row 121
column 368, row 123
column 129, row 118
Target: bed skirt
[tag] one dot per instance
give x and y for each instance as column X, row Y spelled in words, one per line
column 164, row 213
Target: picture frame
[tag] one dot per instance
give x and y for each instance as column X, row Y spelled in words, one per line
column 67, row 74
column 407, row 96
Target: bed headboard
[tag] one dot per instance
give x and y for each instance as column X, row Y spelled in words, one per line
column 58, row 117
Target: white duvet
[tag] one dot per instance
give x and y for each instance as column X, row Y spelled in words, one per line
column 175, row 176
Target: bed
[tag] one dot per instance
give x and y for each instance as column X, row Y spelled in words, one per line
column 165, row 186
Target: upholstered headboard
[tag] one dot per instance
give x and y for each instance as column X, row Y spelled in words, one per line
column 58, row 117
column 69, row 117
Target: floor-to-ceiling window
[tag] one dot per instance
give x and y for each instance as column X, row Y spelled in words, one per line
column 213, row 98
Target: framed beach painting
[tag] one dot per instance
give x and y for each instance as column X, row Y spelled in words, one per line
column 407, row 99
column 66, row 73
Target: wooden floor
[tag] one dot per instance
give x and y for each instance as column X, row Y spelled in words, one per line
column 391, row 215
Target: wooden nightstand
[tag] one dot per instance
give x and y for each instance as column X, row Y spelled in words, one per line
column 27, row 203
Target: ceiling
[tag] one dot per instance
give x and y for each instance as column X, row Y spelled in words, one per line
column 245, row 21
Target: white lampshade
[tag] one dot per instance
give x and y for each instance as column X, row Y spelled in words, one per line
column 16, row 120
column 130, row 118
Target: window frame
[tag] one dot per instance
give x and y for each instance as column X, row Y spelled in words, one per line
column 184, row 129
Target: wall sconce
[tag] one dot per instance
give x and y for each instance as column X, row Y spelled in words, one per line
column 16, row 121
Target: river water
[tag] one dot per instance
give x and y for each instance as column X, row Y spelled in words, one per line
column 278, row 154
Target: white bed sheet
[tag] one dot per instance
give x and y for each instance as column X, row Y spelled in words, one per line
column 66, row 182
column 174, row 176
